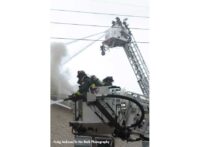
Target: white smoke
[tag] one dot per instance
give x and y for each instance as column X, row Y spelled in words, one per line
column 60, row 87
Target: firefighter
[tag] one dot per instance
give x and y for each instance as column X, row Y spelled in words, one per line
column 118, row 21
column 108, row 81
column 87, row 83
column 84, row 82
column 103, row 50
column 95, row 82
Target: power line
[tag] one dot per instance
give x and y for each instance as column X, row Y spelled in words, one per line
column 84, row 39
column 76, row 54
column 89, row 25
column 99, row 13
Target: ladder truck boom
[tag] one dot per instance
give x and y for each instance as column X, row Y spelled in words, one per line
column 119, row 35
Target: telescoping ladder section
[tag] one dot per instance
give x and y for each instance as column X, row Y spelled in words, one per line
column 138, row 65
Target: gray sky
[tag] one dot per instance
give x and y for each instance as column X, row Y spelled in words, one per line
column 115, row 62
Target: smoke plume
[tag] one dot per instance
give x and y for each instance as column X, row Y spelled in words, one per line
column 60, row 87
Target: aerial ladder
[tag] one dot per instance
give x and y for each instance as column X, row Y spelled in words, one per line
column 121, row 36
